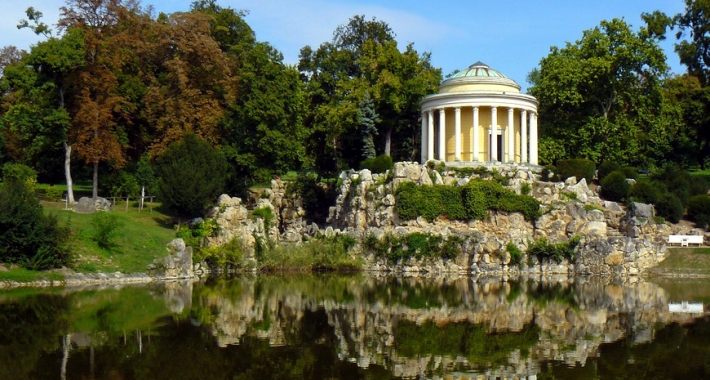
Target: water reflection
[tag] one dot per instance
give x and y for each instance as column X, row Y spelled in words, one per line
column 353, row 327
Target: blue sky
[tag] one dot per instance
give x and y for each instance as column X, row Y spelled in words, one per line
column 509, row 35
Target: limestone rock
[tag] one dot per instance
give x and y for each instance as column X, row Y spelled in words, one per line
column 88, row 205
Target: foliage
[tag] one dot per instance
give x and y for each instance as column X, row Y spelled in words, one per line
column 578, row 167
column 197, row 232
column 320, row 254
column 542, row 248
column 53, row 194
column 367, row 119
column 14, row 172
column 429, row 202
column 363, row 60
column 120, row 183
column 648, row 191
column 607, row 167
column 107, row 227
column 549, row 173
column 415, row 245
column 379, row 164
column 699, row 210
column 266, row 213
column 481, row 195
column 615, row 186
column 670, row 207
column 630, row 172
column 516, row 255
column 194, row 159
column 600, row 96
column 228, row 256
column 680, row 183
column 317, row 196
column 28, row 237
column 525, row 188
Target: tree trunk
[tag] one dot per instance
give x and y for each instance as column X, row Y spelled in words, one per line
column 95, row 191
column 67, row 173
column 388, row 141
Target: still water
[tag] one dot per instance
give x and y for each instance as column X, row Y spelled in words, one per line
column 359, row 327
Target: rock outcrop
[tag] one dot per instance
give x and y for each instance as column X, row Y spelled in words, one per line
column 614, row 240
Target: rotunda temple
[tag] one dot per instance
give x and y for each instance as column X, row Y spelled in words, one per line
column 479, row 116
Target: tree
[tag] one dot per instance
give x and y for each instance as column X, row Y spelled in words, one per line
column 191, row 175
column 367, row 118
column 600, row 97
column 363, row 60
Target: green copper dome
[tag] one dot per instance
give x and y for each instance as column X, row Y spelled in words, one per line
column 478, row 69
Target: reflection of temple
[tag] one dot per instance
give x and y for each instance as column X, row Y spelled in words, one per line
column 479, row 115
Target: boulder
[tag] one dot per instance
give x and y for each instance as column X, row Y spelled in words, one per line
column 88, row 205
column 178, row 262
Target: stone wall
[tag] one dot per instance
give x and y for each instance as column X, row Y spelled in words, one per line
column 615, row 241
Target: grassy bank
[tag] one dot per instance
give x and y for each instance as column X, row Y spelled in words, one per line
column 685, row 261
column 139, row 239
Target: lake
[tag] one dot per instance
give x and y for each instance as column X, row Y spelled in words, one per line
column 360, row 327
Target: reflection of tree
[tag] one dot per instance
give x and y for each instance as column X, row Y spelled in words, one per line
column 474, row 341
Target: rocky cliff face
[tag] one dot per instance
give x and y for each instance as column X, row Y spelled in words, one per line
column 615, row 241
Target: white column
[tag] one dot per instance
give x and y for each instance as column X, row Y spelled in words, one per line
column 430, row 136
column 476, row 131
column 493, row 139
column 442, row 135
column 533, row 138
column 511, row 136
column 457, row 131
column 524, row 136
column 424, row 138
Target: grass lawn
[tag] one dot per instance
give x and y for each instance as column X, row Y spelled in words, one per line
column 685, row 261
column 141, row 238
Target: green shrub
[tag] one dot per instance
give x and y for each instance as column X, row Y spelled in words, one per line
column 525, row 188
column 670, row 208
column 416, row 245
column 677, row 180
column 549, row 173
column 28, row 237
column 577, row 167
column 227, row 256
column 120, row 183
column 429, row 202
column 379, row 164
column 699, row 210
column 480, row 195
column 317, row 195
column 542, row 248
column 630, row 172
column 53, row 194
column 106, row 229
column 648, row 192
column 615, row 186
column 20, row 173
column 192, row 174
column 265, row 213
column 607, row 167
column 516, row 255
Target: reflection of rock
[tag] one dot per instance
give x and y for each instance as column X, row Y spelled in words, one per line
column 177, row 295
column 574, row 319
column 177, row 263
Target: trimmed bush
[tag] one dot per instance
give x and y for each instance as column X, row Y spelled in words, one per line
column 605, row 168
column 429, row 202
column 28, row 237
column 699, row 210
column 379, row 164
column 630, row 172
column 577, row 167
column 549, row 173
column 670, row 208
column 192, row 174
column 615, row 186
column 648, row 192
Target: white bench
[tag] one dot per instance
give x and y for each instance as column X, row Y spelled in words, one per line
column 685, row 240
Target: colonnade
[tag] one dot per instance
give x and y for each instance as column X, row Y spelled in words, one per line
column 476, row 137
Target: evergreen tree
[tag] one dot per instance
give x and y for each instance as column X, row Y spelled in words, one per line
column 367, row 118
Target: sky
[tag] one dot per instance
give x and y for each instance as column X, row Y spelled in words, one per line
column 510, row 36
